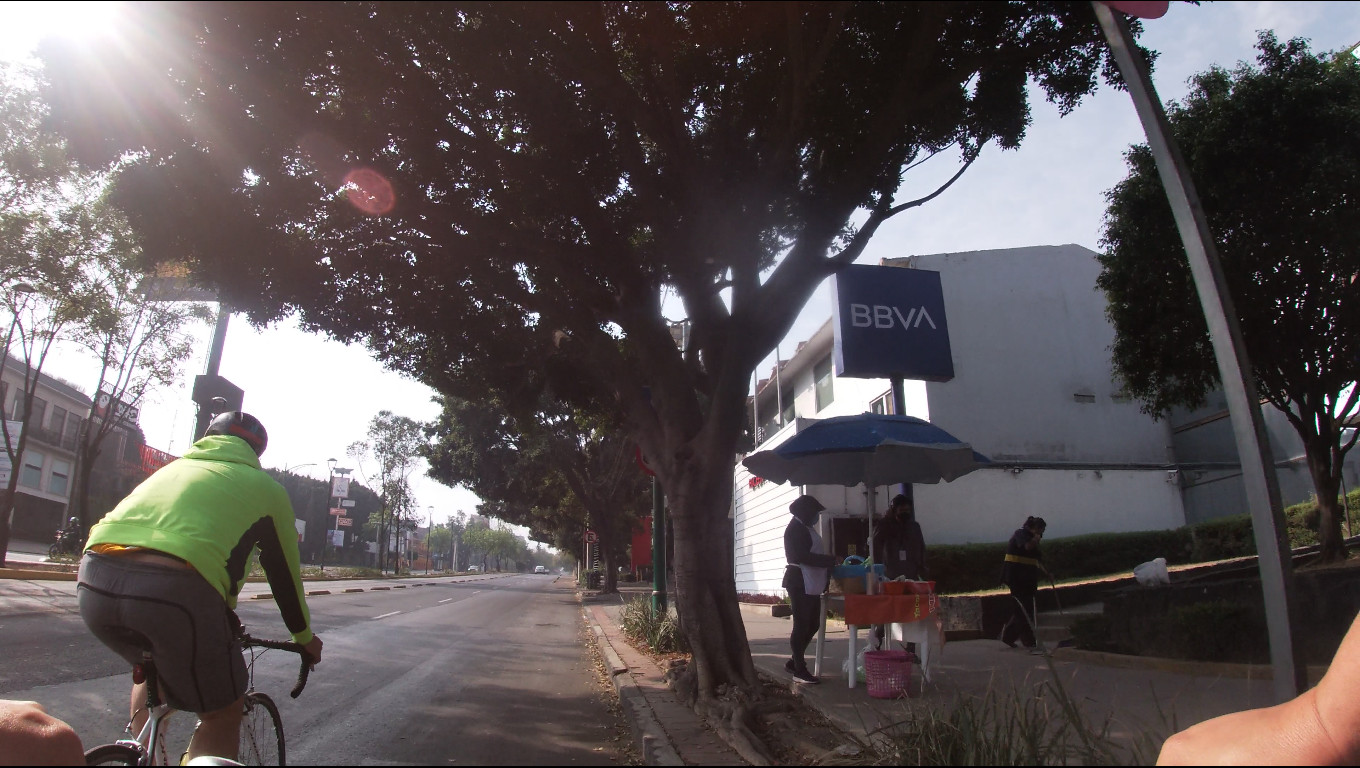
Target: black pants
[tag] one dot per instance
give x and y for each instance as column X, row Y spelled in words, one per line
column 807, row 617
column 1022, row 607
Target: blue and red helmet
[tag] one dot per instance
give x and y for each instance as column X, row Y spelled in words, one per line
column 243, row 425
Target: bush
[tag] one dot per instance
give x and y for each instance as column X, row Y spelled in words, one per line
column 1216, row 630
column 758, row 599
column 959, row 568
column 659, row 632
column 1094, row 633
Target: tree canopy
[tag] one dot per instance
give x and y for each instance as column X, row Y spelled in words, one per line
column 497, row 196
column 557, row 472
column 1275, row 154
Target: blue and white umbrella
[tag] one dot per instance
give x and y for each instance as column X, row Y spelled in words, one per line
column 869, row 448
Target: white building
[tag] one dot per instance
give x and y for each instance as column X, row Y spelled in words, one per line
column 1034, row 391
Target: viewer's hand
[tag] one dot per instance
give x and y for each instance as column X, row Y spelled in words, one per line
column 1319, row 727
column 30, row 736
column 313, row 648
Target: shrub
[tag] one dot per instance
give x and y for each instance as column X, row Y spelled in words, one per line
column 1216, row 630
column 1094, row 633
column 660, row 632
column 759, row 599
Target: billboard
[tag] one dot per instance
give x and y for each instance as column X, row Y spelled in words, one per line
column 890, row 323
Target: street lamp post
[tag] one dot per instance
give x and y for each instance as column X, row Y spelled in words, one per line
column 330, row 472
column 429, row 528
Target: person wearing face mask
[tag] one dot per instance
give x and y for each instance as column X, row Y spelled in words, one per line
column 900, row 546
column 1020, row 572
column 806, row 578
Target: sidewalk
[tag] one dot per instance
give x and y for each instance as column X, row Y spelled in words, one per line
column 1141, row 698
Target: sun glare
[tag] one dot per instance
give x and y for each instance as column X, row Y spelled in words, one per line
column 23, row 24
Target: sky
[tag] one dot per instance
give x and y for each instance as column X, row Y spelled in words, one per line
column 316, row 395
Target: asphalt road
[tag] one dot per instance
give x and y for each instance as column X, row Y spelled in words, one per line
column 483, row 670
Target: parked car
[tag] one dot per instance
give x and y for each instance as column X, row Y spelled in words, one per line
column 472, row 568
column 540, row 569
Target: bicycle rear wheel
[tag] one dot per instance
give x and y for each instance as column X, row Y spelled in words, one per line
column 261, row 732
column 112, row 754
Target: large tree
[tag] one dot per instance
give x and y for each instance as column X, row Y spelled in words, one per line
column 1275, row 153
column 554, row 470
column 497, row 196
column 394, row 445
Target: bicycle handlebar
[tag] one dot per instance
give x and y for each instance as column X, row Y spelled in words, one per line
column 284, row 645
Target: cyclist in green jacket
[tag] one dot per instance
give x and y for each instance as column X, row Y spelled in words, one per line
column 162, row 571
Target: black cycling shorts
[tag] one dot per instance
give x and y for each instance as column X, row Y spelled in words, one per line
column 176, row 615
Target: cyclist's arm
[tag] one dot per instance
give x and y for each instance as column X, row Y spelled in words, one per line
column 281, row 562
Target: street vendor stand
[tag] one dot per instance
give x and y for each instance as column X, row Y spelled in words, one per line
column 911, row 618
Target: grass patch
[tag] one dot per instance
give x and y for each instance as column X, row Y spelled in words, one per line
column 659, row 632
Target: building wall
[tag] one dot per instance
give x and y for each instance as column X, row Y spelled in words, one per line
column 39, row 509
column 1033, row 390
column 1033, row 378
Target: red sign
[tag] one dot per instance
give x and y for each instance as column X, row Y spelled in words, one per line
column 337, row 511
column 344, row 522
column 592, row 537
column 154, row 458
column 1143, row 10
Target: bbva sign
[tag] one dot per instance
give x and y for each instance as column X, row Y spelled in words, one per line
column 890, row 323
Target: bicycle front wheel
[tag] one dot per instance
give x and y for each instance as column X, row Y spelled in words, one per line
column 112, row 754
column 261, row 732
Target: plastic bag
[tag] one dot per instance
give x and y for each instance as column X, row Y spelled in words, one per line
column 1152, row 573
column 870, row 645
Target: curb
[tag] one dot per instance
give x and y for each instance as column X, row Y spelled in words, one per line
column 25, row 575
column 1180, row 666
column 649, row 737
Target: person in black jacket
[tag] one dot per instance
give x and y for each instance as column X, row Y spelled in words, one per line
column 1020, row 572
column 805, row 578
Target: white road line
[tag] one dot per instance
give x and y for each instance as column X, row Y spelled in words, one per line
column 385, row 615
column 441, row 602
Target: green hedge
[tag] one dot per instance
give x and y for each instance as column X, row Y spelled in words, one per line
column 960, row 568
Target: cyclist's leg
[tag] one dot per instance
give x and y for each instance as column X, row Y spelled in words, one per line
column 219, row 732
column 138, row 713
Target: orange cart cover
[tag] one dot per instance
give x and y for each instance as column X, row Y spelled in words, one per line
column 863, row 610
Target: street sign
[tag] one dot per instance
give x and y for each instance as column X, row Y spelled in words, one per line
column 338, row 538
column 347, row 502
column 337, row 511
column 344, row 522
column 592, row 537
column 340, row 486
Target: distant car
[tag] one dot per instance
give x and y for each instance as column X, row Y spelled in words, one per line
column 474, row 568
column 540, row 569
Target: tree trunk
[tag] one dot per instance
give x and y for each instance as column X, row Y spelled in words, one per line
column 1325, row 468
column 706, row 592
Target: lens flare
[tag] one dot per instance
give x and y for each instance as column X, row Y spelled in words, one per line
column 369, row 191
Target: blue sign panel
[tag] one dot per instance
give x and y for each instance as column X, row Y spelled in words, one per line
column 890, row 323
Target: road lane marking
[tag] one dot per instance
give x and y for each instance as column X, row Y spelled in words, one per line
column 385, row 615
column 441, row 602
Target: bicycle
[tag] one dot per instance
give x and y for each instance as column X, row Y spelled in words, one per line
column 261, row 742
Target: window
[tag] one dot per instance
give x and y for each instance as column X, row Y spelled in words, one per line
column 787, row 416
column 31, row 474
column 821, row 377
column 71, row 433
column 39, row 412
column 58, row 422
column 882, row 404
column 60, row 478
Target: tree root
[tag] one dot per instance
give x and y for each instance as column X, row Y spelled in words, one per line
column 732, row 714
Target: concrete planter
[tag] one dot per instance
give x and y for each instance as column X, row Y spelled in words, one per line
column 777, row 610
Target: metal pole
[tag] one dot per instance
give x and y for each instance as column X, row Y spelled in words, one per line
column 214, row 364
column 330, row 497
column 1263, row 492
column 658, row 547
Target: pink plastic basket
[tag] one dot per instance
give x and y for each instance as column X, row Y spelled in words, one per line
column 888, row 674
